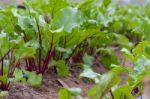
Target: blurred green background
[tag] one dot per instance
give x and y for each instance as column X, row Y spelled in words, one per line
column 140, row 2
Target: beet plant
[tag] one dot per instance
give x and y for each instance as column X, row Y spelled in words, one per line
column 58, row 34
column 11, row 53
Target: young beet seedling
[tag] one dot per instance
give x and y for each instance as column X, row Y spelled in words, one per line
column 11, row 52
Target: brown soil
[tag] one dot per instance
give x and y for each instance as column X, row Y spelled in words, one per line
column 52, row 83
column 49, row 89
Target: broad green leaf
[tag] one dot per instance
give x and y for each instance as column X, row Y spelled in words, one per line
column 107, row 81
column 49, row 6
column 69, row 18
column 86, row 3
column 24, row 52
column 26, row 22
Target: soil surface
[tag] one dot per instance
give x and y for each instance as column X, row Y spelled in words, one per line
column 50, row 87
column 52, row 83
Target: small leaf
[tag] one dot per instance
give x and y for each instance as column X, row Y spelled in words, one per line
column 62, row 68
column 34, row 79
column 127, row 53
column 60, row 49
column 70, row 93
column 18, row 75
column 88, row 59
column 75, row 91
column 4, row 79
column 42, row 21
column 89, row 73
column 65, row 94
column 3, row 94
column 123, row 91
column 106, row 2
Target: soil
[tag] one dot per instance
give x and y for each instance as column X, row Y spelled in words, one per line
column 50, row 87
column 52, row 83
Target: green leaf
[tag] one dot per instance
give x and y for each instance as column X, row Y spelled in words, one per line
column 4, row 79
column 147, row 50
column 24, row 52
column 140, row 49
column 68, row 18
column 86, row 3
column 146, row 26
column 89, row 73
column 122, row 92
column 42, row 21
column 70, row 93
column 107, row 60
column 141, row 63
column 3, row 94
column 60, row 49
column 106, row 2
column 88, row 60
column 49, row 6
column 4, row 44
column 62, row 68
column 18, row 75
column 107, row 81
column 123, row 41
column 26, row 22
column 65, row 94
column 75, row 91
column 34, row 79
column 147, row 6
column 127, row 53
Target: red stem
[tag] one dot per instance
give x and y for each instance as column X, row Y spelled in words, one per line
column 40, row 48
column 49, row 55
column 112, row 96
column 10, row 65
column 5, row 55
column 2, row 65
